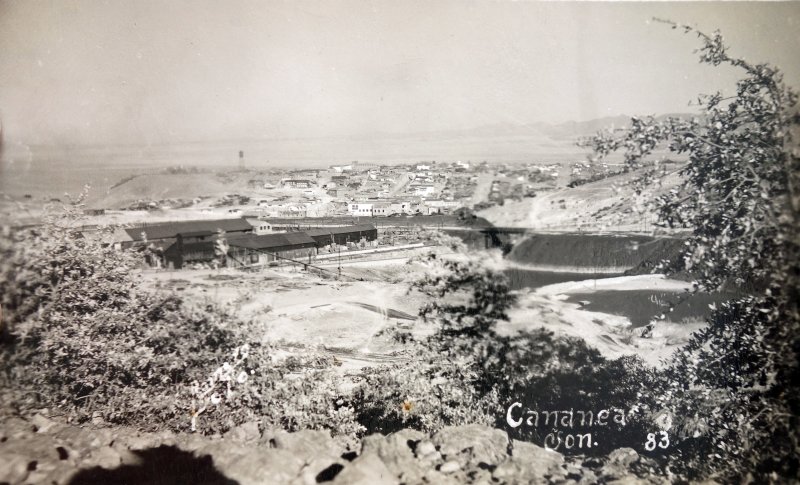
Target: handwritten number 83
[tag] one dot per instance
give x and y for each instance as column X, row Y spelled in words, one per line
column 651, row 442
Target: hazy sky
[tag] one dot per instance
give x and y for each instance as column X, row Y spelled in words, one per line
column 141, row 72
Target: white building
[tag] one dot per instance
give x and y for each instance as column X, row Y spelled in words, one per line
column 423, row 189
column 382, row 209
column 441, row 206
column 341, row 168
column 259, row 226
column 400, row 208
column 360, row 208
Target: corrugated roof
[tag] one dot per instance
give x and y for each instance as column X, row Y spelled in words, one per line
column 325, row 231
column 171, row 229
column 267, row 241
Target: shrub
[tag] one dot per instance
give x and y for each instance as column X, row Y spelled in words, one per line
column 448, row 383
column 546, row 372
column 88, row 342
column 734, row 389
column 466, row 372
column 427, row 394
column 272, row 394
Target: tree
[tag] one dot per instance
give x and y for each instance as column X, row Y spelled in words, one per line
column 468, row 371
column 735, row 386
column 451, row 380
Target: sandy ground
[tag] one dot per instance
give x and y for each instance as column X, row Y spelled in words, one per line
column 611, row 334
column 299, row 310
column 654, row 282
column 353, row 319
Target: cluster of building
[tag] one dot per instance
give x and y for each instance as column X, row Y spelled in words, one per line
column 238, row 242
column 360, row 189
column 383, row 191
column 388, row 208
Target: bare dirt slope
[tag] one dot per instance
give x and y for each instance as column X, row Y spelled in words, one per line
column 605, row 205
column 186, row 186
column 163, row 186
column 350, row 318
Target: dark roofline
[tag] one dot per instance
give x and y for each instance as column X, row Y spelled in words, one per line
column 299, row 240
column 324, row 231
column 172, row 229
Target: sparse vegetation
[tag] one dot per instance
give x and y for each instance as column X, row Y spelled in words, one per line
column 84, row 341
column 466, row 372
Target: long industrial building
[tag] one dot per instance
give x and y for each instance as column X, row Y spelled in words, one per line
column 249, row 249
column 343, row 235
column 165, row 234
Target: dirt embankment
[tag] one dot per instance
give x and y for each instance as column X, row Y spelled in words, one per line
column 595, row 251
column 607, row 205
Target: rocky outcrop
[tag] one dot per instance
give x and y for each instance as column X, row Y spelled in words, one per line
column 39, row 450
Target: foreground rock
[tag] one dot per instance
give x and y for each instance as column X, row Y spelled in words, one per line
column 42, row 451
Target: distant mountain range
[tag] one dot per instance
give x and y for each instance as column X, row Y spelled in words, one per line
column 501, row 142
column 569, row 130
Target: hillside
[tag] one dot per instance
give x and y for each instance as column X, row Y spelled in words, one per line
column 184, row 186
column 605, row 205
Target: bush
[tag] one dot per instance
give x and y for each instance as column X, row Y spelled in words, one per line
column 86, row 342
column 734, row 389
column 736, row 416
column 448, row 383
column 545, row 372
column 427, row 394
column 465, row 372
column 272, row 395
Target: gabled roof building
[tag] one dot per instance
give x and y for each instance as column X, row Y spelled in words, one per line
column 170, row 230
